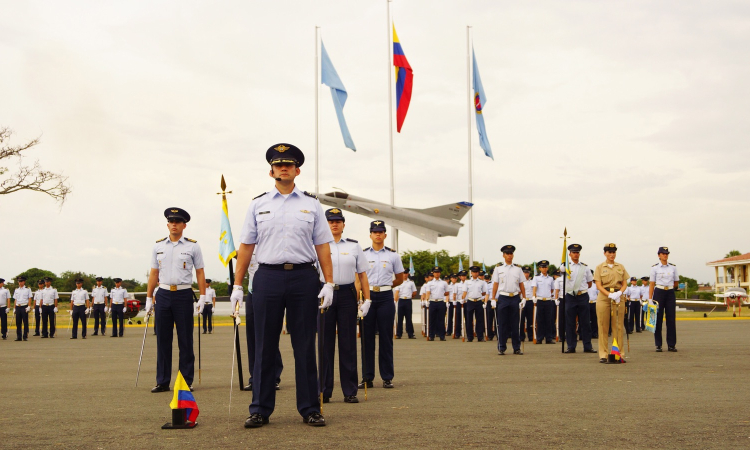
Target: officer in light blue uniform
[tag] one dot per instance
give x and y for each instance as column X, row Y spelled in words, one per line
column 405, row 292
column 99, row 299
column 508, row 292
column 118, row 305
column 4, row 308
column 173, row 259
column 527, row 313
column 489, row 311
column 341, row 318
column 38, row 307
column 577, row 301
column 475, row 290
column 662, row 284
column 49, row 309
column 79, row 303
column 438, row 294
column 385, row 270
column 543, row 287
column 23, row 298
column 288, row 227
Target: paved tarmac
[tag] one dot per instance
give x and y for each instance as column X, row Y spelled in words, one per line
column 58, row 393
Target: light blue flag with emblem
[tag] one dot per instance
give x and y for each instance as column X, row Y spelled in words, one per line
column 411, row 266
column 479, row 101
column 460, row 265
column 226, row 242
column 330, row 78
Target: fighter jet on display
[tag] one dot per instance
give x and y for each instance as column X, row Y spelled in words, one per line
column 427, row 224
column 734, row 297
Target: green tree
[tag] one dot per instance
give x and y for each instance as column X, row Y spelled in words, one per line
column 33, row 275
column 732, row 253
column 692, row 284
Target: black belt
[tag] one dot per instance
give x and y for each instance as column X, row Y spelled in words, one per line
column 337, row 287
column 287, row 266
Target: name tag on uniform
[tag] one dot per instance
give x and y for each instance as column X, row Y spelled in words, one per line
column 344, row 253
column 304, row 211
column 264, row 212
column 159, row 253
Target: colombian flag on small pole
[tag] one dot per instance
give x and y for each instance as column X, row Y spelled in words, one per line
column 183, row 399
column 616, row 350
column 404, row 78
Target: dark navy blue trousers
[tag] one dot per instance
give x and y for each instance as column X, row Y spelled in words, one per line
column 22, row 318
column 37, row 318
column 381, row 315
column 99, row 317
column 341, row 315
column 48, row 316
column 667, row 305
column 508, row 322
column 594, row 324
column 632, row 313
column 174, row 310
column 437, row 319
column 545, row 320
column 474, row 312
column 250, row 336
column 489, row 312
column 118, row 315
column 527, row 321
column 79, row 313
column 577, row 306
column 295, row 291
column 208, row 317
column 4, row 321
column 404, row 314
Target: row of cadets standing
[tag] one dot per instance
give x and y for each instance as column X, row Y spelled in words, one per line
column 474, row 296
column 438, row 296
column 542, row 296
column 577, row 300
column 507, row 298
column 403, row 294
column 349, row 263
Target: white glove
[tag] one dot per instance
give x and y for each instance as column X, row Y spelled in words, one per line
column 124, row 309
column 651, row 302
column 235, row 298
column 28, row 309
column 533, row 299
column 196, row 309
column 494, row 303
column 365, row 307
column 326, row 293
column 70, row 312
column 106, row 310
column 88, row 310
column 484, row 305
column 149, row 305
column 55, row 309
column 557, row 302
column 522, row 304
column 201, row 303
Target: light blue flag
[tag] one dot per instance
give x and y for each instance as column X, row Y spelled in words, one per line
column 330, row 78
column 411, row 267
column 460, row 265
column 484, row 269
column 479, row 101
column 226, row 243
column 436, row 264
column 534, row 268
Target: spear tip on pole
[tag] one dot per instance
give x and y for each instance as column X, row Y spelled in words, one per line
column 223, row 183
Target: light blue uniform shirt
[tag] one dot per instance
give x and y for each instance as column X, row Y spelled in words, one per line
column 348, row 259
column 437, row 289
column 22, row 296
column 176, row 260
column 99, row 294
column 644, row 291
column 633, row 292
column 508, row 278
column 527, row 284
column 49, row 295
column 585, row 278
column 79, row 297
column 4, row 296
column 406, row 289
column 594, row 293
column 475, row 288
column 664, row 275
column 118, row 295
column 544, row 284
column 382, row 266
column 286, row 229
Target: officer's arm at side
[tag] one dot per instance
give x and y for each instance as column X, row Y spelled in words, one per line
column 201, row 276
column 153, row 277
column 244, row 254
column 326, row 263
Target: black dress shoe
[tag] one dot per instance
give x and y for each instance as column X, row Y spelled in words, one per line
column 412, row 337
column 442, row 338
column 591, row 350
column 638, row 331
column 95, row 334
column 315, row 420
column 387, row 384
column 550, row 342
column 517, row 352
column 26, row 339
column 570, row 350
column 74, row 337
column 326, row 399
column 36, row 334
column 501, row 352
column 603, row 360
column 191, row 388
column 278, row 388
column 84, row 337
column 398, row 337
column 658, row 348
column 249, row 386
column 361, row 385
column 430, row 338
column 351, row 399
column 16, row 340
column 671, row 349
column 204, row 332
column 160, row 388
column 256, row 421
column 114, row 335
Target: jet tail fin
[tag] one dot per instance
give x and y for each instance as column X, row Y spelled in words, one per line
column 452, row 211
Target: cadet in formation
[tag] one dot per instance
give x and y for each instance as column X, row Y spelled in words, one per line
column 425, row 302
column 527, row 313
column 474, row 295
column 22, row 296
column 79, row 301
column 208, row 308
column 489, row 311
column 117, row 305
column 507, row 294
column 437, row 292
column 662, row 283
column 593, row 293
column 451, row 307
column 4, row 308
column 542, row 295
column 99, row 296
column 577, row 300
column 632, row 306
column 403, row 294
column 38, row 307
column 288, row 227
column 644, row 300
column 349, row 263
column 50, row 298
column 173, row 260
column 611, row 280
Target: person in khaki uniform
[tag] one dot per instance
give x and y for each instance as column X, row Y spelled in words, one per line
column 611, row 280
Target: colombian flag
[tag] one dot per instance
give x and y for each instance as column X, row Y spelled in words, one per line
column 183, row 399
column 615, row 350
column 404, row 78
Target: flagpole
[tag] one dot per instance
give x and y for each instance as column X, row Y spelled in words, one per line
column 390, row 110
column 317, row 167
column 468, row 135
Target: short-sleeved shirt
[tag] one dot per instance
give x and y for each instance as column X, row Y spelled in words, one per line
column 437, row 289
column 210, row 294
column 79, row 297
column 176, row 260
column 610, row 277
column 99, row 293
column 118, row 295
column 382, row 266
column 664, row 275
column 286, row 228
column 423, row 289
column 38, row 297
column 22, row 295
column 644, row 291
column 527, row 287
column 475, row 288
column 558, row 287
column 508, row 278
column 348, row 260
column 406, row 289
column 593, row 293
column 544, row 285
column 4, row 296
column 458, row 290
column 49, row 295
column 574, row 268
column 633, row 292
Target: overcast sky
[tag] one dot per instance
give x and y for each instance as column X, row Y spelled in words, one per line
column 627, row 122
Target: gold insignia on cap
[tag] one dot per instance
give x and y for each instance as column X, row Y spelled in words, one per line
column 611, row 245
column 174, row 210
column 335, row 211
column 377, row 222
column 376, row 210
column 665, row 248
column 281, row 148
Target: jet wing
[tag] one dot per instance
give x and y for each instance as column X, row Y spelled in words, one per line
column 423, row 233
column 699, row 303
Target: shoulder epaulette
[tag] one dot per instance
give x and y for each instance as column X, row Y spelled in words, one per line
column 160, row 240
column 310, row 195
column 672, row 264
column 368, row 248
column 585, row 264
column 191, row 240
column 350, row 240
column 515, row 265
column 390, row 250
column 261, row 195
column 655, row 265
